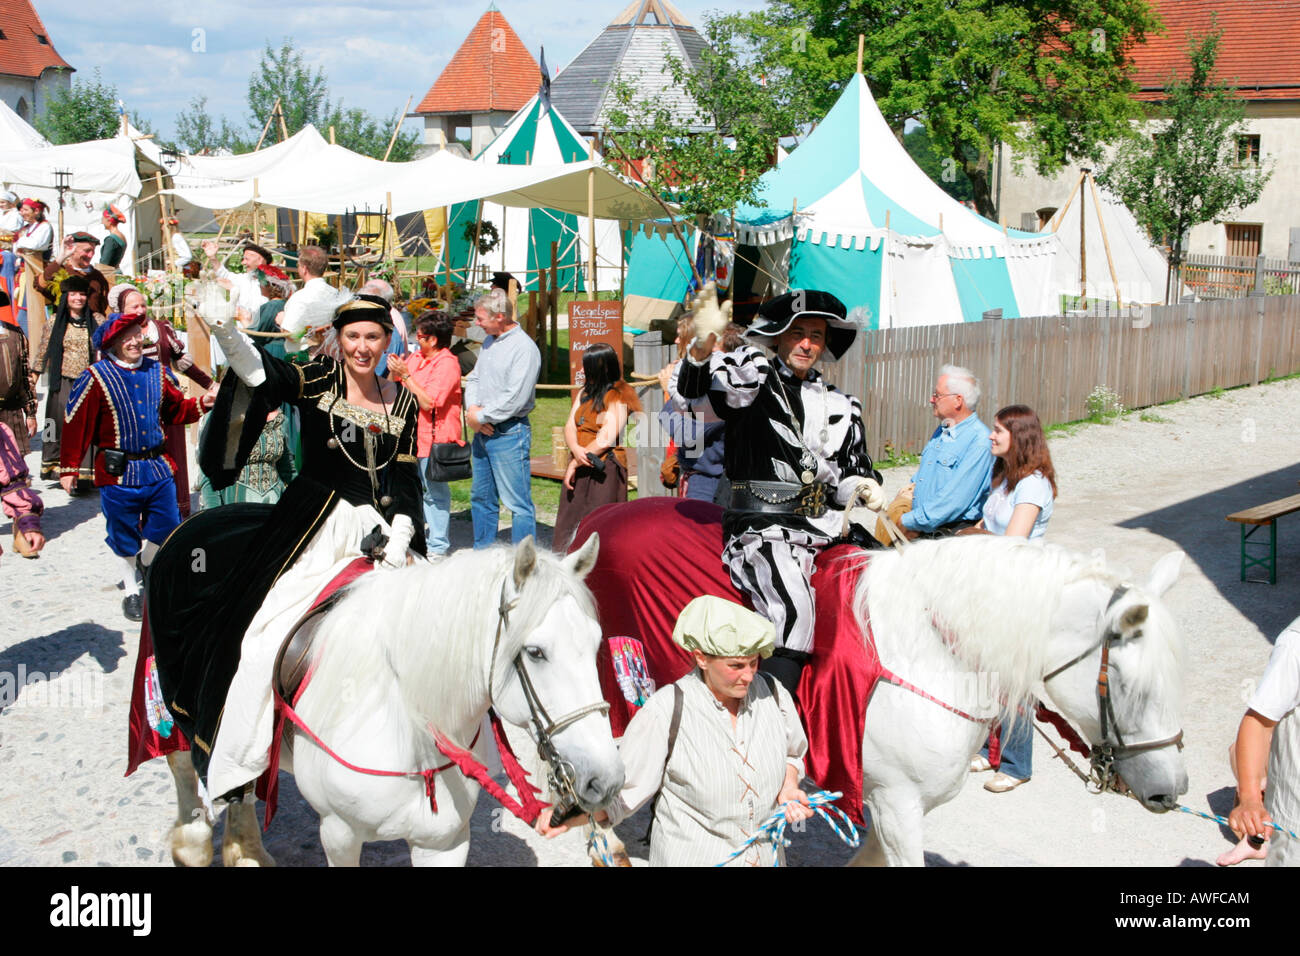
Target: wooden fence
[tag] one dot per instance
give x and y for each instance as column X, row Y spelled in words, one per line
column 1053, row 363
column 1235, row 277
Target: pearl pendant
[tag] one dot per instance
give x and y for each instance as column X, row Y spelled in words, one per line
column 332, row 444
column 385, row 501
column 807, row 476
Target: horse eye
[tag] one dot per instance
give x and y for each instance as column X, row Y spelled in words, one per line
column 535, row 653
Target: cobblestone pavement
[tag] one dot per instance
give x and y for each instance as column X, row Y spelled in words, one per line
column 1135, row 488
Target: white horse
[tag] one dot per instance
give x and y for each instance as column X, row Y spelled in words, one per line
column 432, row 647
column 984, row 624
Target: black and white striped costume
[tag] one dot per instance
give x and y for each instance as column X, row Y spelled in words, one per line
column 769, row 556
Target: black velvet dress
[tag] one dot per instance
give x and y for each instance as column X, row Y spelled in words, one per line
column 212, row 576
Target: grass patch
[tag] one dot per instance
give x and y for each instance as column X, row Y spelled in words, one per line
column 1147, row 415
column 896, row 458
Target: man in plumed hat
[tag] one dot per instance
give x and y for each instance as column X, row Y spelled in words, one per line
column 795, row 453
column 78, row 252
column 122, row 405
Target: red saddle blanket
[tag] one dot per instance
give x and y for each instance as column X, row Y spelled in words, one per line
column 657, row 554
column 145, row 743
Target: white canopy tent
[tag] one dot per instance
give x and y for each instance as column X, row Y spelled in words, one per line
column 1119, row 263
column 100, row 172
column 304, row 172
column 16, row 132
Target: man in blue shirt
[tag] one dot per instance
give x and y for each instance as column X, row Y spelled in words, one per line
column 948, row 491
column 498, row 398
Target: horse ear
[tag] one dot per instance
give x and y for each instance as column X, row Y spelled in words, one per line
column 584, row 559
column 1164, row 574
column 525, row 560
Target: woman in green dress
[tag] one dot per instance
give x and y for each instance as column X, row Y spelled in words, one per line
column 113, row 247
column 271, row 465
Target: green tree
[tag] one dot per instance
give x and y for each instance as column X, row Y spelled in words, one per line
column 86, row 110
column 364, row 133
column 711, row 160
column 198, row 132
column 1188, row 171
column 1048, row 77
column 941, row 169
column 283, row 75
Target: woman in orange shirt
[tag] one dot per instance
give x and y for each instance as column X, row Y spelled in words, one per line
column 433, row 376
column 597, row 473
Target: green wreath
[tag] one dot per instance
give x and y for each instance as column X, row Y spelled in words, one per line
column 488, row 237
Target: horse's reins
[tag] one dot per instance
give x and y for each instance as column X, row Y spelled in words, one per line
column 561, row 776
column 1104, row 754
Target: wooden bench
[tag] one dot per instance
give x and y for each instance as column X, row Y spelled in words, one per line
column 1251, row 520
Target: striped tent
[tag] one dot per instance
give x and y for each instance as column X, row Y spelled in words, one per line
column 536, row 135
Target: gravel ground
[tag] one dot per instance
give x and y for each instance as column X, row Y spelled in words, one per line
column 1135, row 488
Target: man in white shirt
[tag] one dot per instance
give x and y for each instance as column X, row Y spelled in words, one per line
column 1268, row 748
column 310, row 310
column 246, row 285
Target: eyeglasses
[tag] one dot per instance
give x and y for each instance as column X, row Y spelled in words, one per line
column 935, row 396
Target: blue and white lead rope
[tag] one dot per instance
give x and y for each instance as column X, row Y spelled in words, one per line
column 1224, row 821
column 773, row 828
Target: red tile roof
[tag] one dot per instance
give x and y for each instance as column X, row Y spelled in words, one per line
column 21, row 51
column 1259, row 53
column 492, row 70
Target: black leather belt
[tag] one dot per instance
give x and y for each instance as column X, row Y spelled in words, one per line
column 156, row 452
column 779, row 498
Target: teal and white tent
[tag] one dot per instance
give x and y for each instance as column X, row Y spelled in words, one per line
column 850, row 213
column 537, row 134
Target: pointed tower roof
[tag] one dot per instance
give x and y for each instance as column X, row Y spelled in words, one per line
column 633, row 47
column 26, row 49
column 492, row 70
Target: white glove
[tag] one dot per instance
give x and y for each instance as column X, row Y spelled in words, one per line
column 710, row 318
column 398, row 542
column 865, row 500
column 218, row 312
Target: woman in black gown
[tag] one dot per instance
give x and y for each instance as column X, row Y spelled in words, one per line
column 239, row 577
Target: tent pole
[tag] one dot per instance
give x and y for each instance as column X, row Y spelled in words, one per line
column 1105, row 243
column 1083, row 243
column 1060, row 213
column 267, row 127
column 331, row 135
column 384, row 224
column 396, row 128
column 591, row 216
column 555, row 305
column 255, row 233
column 169, row 254
column 284, row 129
column 478, row 227
column 861, row 40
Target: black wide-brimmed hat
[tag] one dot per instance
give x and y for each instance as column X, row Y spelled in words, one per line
column 777, row 315
column 363, row 308
column 74, row 283
column 254, row 247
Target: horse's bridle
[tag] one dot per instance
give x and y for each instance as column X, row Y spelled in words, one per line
column 1104, row 754
column 561, row 776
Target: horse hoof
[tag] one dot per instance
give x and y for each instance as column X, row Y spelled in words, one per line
column 235, row 855
column 192, row 845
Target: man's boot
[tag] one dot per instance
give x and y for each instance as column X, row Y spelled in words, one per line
column 787, row 667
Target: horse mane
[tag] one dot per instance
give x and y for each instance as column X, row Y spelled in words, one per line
column 991, row 601
column 432, row 624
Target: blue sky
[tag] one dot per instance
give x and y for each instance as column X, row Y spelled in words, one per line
column 375, row 54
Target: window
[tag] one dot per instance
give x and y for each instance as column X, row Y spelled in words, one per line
column 2, row 35
column 1248, row 150
column 40, row 38
column 1243, row 239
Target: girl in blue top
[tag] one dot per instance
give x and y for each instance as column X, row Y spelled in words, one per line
column 1020, row 504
